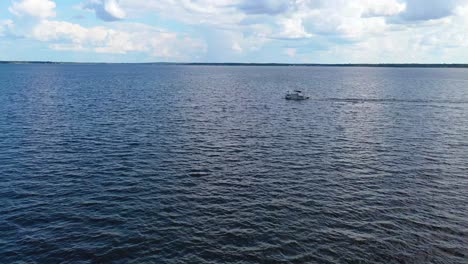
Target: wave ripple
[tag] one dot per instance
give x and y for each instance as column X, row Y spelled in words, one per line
column 180, row 164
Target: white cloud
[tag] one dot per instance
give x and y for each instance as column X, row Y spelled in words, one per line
column 127, row 38
column 113, row 8
column 292, row 28
column 236, row 47
column 350, row 19
column 286, row 19
column 34, row 8
column 433, row 41
column 380, row 8
column 222, row 13
column 107, row 10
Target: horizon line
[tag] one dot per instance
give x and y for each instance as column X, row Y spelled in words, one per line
column 431, row 65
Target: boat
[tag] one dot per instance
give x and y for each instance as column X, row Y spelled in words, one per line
column 296, row 95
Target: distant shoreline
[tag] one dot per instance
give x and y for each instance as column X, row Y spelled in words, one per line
column 390, row 65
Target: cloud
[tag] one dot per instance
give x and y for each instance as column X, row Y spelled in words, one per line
column 33, row 8
column 128, row 38
column 432, row 41
column 216, row 13
column 236, row 47
column 107, row 10
column 418, row 10
column 352, row 20
column 291, row 28
column 283, row 19
column 269, row 7
column 381, row 8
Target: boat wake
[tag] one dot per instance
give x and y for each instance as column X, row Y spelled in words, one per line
column 391, row 100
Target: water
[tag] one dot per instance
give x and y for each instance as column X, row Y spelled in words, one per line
column 193, row 164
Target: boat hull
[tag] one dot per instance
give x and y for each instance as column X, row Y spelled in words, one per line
column 296, row 97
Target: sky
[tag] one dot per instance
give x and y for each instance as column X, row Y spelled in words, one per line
column 261, row 31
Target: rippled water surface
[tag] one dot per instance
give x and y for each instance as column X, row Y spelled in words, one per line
column 194, row 164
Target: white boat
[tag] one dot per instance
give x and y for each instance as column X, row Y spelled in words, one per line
column 296, row 95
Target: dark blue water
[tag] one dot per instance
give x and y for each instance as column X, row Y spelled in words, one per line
column 192, row 164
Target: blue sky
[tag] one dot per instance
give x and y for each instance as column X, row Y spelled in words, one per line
column 299, row 31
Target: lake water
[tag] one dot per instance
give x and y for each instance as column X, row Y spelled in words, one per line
column 203, row 164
